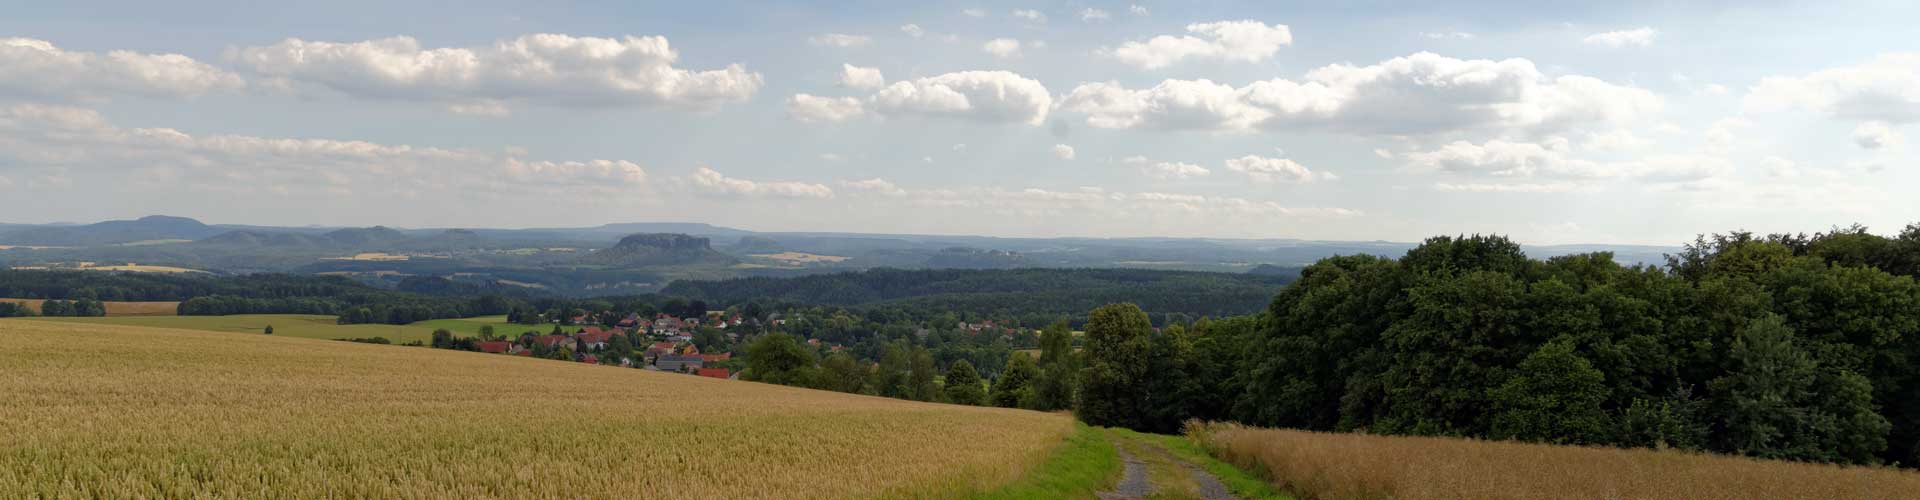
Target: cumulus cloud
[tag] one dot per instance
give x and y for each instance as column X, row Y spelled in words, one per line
column 80, row 142
column 1875, row 135
column 1448, row 35
column 1246, row 41
column 815, row 109
column 841, row 40
column 1476, row 187
column 1554, row 158
column 875, row 185
column 1886, row 89
column 1418, row 94
column 1093, row 15
column 1778, row 167
column 913, row 30
column 1030, row 15
column 1063, row 152
column 547, row 69
column 987, row 96
column 858, row 78
column 1167, row 169
column 1263, row 169
column 1637, row 37
column 709, row 181
column 1137, row 10
column 40, row 70
column 1002, row 47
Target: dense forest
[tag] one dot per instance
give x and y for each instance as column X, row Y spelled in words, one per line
column 1035, row 295
column 1785, row 346
column 416, row 299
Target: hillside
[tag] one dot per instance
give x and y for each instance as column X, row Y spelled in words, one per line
column 247, row 416
column 658, row 249
column 1011, row 292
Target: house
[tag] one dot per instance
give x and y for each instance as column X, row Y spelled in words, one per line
column 714, row 358
column 659, row 349
column 673, row 363
column 493, row 347
column 594, row 337
column 712, row 372
column 590, row 359
column 554, row 341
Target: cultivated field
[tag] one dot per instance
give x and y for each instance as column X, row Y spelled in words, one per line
column 1353, row 466
column 142, row 412
column 467, row 327
column 284, row 325
column 118, row 308
column 801, row 257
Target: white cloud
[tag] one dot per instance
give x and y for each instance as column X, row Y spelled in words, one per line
column 1002, row 47
column 974, row 12
column 1092, row 15
column 1553, row 158
column 1448, row 35
column 816, row 109
column 913, row 30
column 1779, row 167
column 987, row 96
column 76, row 142
column 709, row 181
column 480, row 108
column 875, row 185
column 1886, row 89
column 841, row 40
column 1063, row 152
column 37, row 69
column 1137, row 10
column 1030, row 15
column 1263, row 169
column 1637, row 37
column 1167, row 169
column 1720, row 136
column 1876, row 135
column 544, row 69
column 858, row 78
column 1555, row 187
column 1418, row 94
column 1246, row 41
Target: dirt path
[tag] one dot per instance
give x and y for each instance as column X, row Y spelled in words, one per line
column 1133, row 480
column 1161, row 474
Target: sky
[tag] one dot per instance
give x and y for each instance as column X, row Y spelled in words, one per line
column 1628, row 122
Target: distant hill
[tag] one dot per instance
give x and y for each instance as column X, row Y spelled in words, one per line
column 658, row 249
column 249, row 238
column 975, row 258
column 365, row 236
column 153, row 227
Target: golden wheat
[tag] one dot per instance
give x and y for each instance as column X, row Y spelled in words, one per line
column 1328, row 466
column 118, row 411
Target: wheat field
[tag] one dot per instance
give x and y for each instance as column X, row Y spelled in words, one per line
column 123, row 412
column 1327, row 466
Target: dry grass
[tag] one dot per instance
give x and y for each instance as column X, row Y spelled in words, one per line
column 130, row 412
column 1353, row 466
column 118, row 308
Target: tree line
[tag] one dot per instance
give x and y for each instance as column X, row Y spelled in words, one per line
column 75, row 308
column 1798, row 347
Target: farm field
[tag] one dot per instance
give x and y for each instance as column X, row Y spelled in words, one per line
column 1331, row 466
column 466, row 327
column 284, row 325
column 118, row 308
column 249, row 416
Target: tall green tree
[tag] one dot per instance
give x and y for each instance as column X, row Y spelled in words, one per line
column 1777, row 402
column 1059, row 369
column 963, row 385
column 1115, row 366
column 1014, row 388
column 1554, row 397
column 777, row 358
column 922, row 381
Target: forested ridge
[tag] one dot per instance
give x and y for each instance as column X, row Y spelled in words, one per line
column 1025, row 293
column 1784, row 346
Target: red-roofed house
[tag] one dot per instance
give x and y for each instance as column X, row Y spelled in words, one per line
column 554, row 341
column 712, row 372
column 594, row 337
column 659, row 349
column 493, row 347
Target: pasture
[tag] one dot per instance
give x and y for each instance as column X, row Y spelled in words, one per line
column 130, row 412
column 468, row 327
column 307, row 326
column 117, row 308
column 1329, row 466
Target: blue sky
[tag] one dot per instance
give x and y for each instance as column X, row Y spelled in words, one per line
column 1623, row 123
